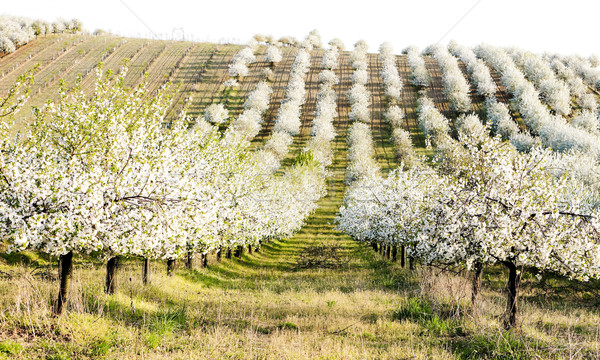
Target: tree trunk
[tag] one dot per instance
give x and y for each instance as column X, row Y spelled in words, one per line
column 189, row 263
column 394, row 253
column 219, row 254
column 374, row 246
column 238, row 251
column 204, row 260
column 514, row 280
column 411, row 263
column 65, row 272
column 146, row 271
column 111, row 275
column 477, row 270
column 228, row 255
column 388, row 251
column 170, row 267
column 402, row 256
column 249, row 249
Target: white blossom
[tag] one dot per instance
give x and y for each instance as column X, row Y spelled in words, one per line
column 216, row 113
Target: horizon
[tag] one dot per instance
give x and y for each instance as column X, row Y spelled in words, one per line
column 466, row 22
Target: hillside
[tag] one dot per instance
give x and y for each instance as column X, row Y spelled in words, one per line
column 317, row 295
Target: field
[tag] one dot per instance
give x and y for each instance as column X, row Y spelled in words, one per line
column 316, row 295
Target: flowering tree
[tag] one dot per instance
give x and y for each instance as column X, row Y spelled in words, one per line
column 476, row 67
column 554, row 91
column 456, row 87
column 419, row 74
column 391, row 79
column 314, row 38
column 553, row 130
column 17, row 31
column 490, row 204
column 241, row 60
column 337, row 43
column 288, row 121
column 216, row 113
column 273, row 55
column 323, row 130
column 517, row 213
column 17, row 96
column 433, row 124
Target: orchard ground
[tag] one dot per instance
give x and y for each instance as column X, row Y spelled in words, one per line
column 316, row 295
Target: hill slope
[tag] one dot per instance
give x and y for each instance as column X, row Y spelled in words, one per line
column 316, row 295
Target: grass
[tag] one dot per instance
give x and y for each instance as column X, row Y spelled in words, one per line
column 285, row 303
column 318, row 295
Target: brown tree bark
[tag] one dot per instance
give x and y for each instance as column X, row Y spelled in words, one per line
column 402, row 256
column 189, row 262
column 477, row 270
column 374, row 246
column 146, row 271
column 512, row 311
column 204, row 259
column 111, row 275
column 238, row 251
column 218, row 254
column 65, row 273
column 170, row 267
column 394, row 253
column 228, row 255
column 249, row 249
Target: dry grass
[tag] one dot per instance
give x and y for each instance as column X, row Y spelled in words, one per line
column 265, row 307
column 318, row 295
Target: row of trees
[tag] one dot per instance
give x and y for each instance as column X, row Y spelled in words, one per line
column 554, row 91
column 553, row 130
column 392, row 84
column 482, row 79
column 358, row 95
column 482, row 202
column 103, row 175
column 17, row 31
column 419, row 76
column 487, row 203
column 313, row 38
column 586, row 68
column 498, row 114
column 288, row 121
column 576, row 85
column 393, row 114
column 323, row 130
column 456, row 87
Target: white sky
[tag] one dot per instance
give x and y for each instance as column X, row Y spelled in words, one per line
column 554, row 26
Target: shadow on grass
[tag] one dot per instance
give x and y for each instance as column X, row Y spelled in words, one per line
column 500, row 346
column 446, row 325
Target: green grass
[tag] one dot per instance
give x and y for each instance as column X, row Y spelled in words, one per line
column 317, row 295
